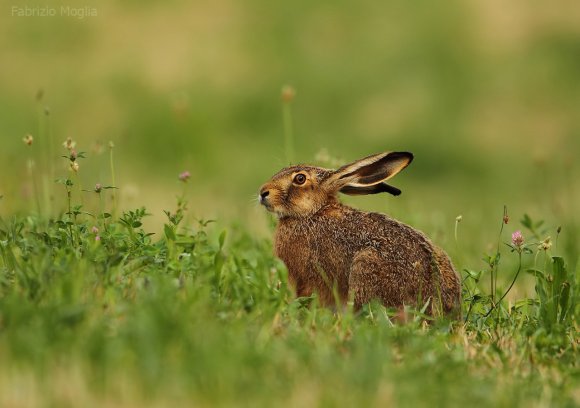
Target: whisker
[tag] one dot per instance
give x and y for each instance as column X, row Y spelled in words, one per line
column 255, row 199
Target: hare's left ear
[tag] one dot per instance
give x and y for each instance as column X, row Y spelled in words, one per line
column 375, row 189
column 366, row 176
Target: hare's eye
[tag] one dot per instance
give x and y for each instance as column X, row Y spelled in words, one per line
column 299, row 179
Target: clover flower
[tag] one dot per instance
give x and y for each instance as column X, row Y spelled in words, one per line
column 518, row 239
column 95, row 231
column 184, row 176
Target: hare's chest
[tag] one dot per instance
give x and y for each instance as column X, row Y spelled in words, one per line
column 306, row 250
column 315, row 263
column 293, row 246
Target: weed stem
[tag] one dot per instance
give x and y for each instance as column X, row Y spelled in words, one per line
column 112, row 166
column 510, row 287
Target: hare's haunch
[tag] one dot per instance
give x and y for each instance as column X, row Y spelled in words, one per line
column 332, row 249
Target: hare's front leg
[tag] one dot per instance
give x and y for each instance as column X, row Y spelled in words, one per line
column 301, row 286
column 373, row 278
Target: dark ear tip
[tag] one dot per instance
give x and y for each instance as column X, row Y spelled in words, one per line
column 374, row 189
column 387, row 188
column 407, row 155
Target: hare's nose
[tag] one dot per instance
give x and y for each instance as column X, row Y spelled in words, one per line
column 264, row 194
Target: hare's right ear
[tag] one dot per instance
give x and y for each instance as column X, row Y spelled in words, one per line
column 366, row 176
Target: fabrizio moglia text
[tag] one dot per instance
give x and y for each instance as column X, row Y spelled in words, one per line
column 47, row 11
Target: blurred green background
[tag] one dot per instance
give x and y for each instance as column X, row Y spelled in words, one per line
column 485, row 94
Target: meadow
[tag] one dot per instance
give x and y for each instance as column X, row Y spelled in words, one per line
column 136, row 267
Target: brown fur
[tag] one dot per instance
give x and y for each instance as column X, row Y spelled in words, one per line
column 337, row 251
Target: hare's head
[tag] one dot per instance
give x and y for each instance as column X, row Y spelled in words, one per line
column 301, row 190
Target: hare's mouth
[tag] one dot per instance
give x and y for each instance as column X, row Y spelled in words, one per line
column 266, row 203
column 268, row 206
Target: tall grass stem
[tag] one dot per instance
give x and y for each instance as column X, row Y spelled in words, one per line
column 494, row 305
column 288, row 132
column 35, row 192
column 288, row 94
column 495, row 266
column 114, row 184
column 51, row 160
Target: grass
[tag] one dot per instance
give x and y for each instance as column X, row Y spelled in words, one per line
column 96, row 311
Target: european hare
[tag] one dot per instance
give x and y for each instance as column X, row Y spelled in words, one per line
column 330, row 248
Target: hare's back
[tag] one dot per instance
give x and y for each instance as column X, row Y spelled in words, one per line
column 393, row 239
column 408, row 256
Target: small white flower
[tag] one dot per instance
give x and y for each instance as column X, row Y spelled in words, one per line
column 69, row 144
column 545, row 244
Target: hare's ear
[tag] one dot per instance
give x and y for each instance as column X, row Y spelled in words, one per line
column 374, row 189
column 366, row 176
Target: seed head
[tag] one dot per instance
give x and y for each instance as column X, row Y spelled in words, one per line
column 69, row 144
column 459, row 218
column 506, row 217
column 518, row 239
column 28, row 139
column 95, row 230
column 288, row 93
column 73, row 155
column 98, row 148
column 98, row 188
column 184, row 176
column 74, row 166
